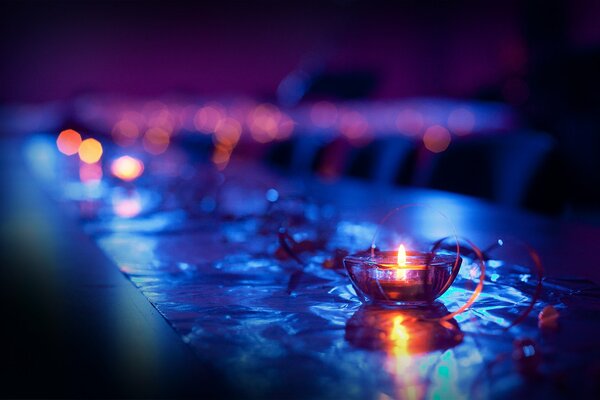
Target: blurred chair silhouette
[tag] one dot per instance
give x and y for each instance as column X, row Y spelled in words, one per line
column 516, row 169
column 297, row 155
column 385, row 161
column 331, row 159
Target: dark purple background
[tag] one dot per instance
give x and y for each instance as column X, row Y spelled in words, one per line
column 55, row 50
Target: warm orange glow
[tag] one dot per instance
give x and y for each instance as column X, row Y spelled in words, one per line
column 156, row 140
column 90, row 151
column 221, row 156
column 228, row 132
column 399, row 362
column 125, row 132
column 401, row 256
column 127, row 168
column 399, row 335
column 208, row 117
column 68, row 142
column 436, row 138
column 263, row 122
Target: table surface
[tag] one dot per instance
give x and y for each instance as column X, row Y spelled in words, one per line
column 81, row 328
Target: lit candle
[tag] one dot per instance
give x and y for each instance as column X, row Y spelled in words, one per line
column 401, row 276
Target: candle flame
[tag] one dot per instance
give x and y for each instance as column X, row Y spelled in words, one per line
column 401, row 256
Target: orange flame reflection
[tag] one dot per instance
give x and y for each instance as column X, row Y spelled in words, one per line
column 403, row 335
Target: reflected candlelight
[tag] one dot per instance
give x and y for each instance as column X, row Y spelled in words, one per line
column 126, row 204
column 403, row 331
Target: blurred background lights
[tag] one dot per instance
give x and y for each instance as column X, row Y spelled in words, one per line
column 410, row 122
column 263, row 122
column 126, row 204
column 461, row 121
column 90, row 151
column 156, row 140
column 353, row 125
column 228, row 131
column 272, row 195
column 436, row 138
column 90, row 173
column 125, row 132
column 68, row 142
column 208, row 117
column 127, row 168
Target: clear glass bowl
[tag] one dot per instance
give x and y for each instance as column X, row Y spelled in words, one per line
column 423, row 279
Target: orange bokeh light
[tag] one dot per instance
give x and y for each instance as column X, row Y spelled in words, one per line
column 221, row 156
column 208, row 117
column 125, row 132
column 156, row 140
column 127, row 168
column 263, row 122
column 68, row 142
column 90, row 151
column 436, row 139
column 228, row 132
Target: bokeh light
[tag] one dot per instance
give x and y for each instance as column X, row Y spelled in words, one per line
column 228, row 132
column 353, row 125
column 156, row 140
column 125, row 132
column 208, row 117
column 227, row 135
column 162, row 118
column 410, row 122
column 127, row 168
column 89, row 173
column 68, row 142
column 286, row 127
column 221, row 156
column 90, row 151
column 461, row 121
column 126, row 204
column 436, row 138
column 263, row 122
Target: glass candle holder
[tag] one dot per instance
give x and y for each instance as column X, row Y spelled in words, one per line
column 421, row 279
